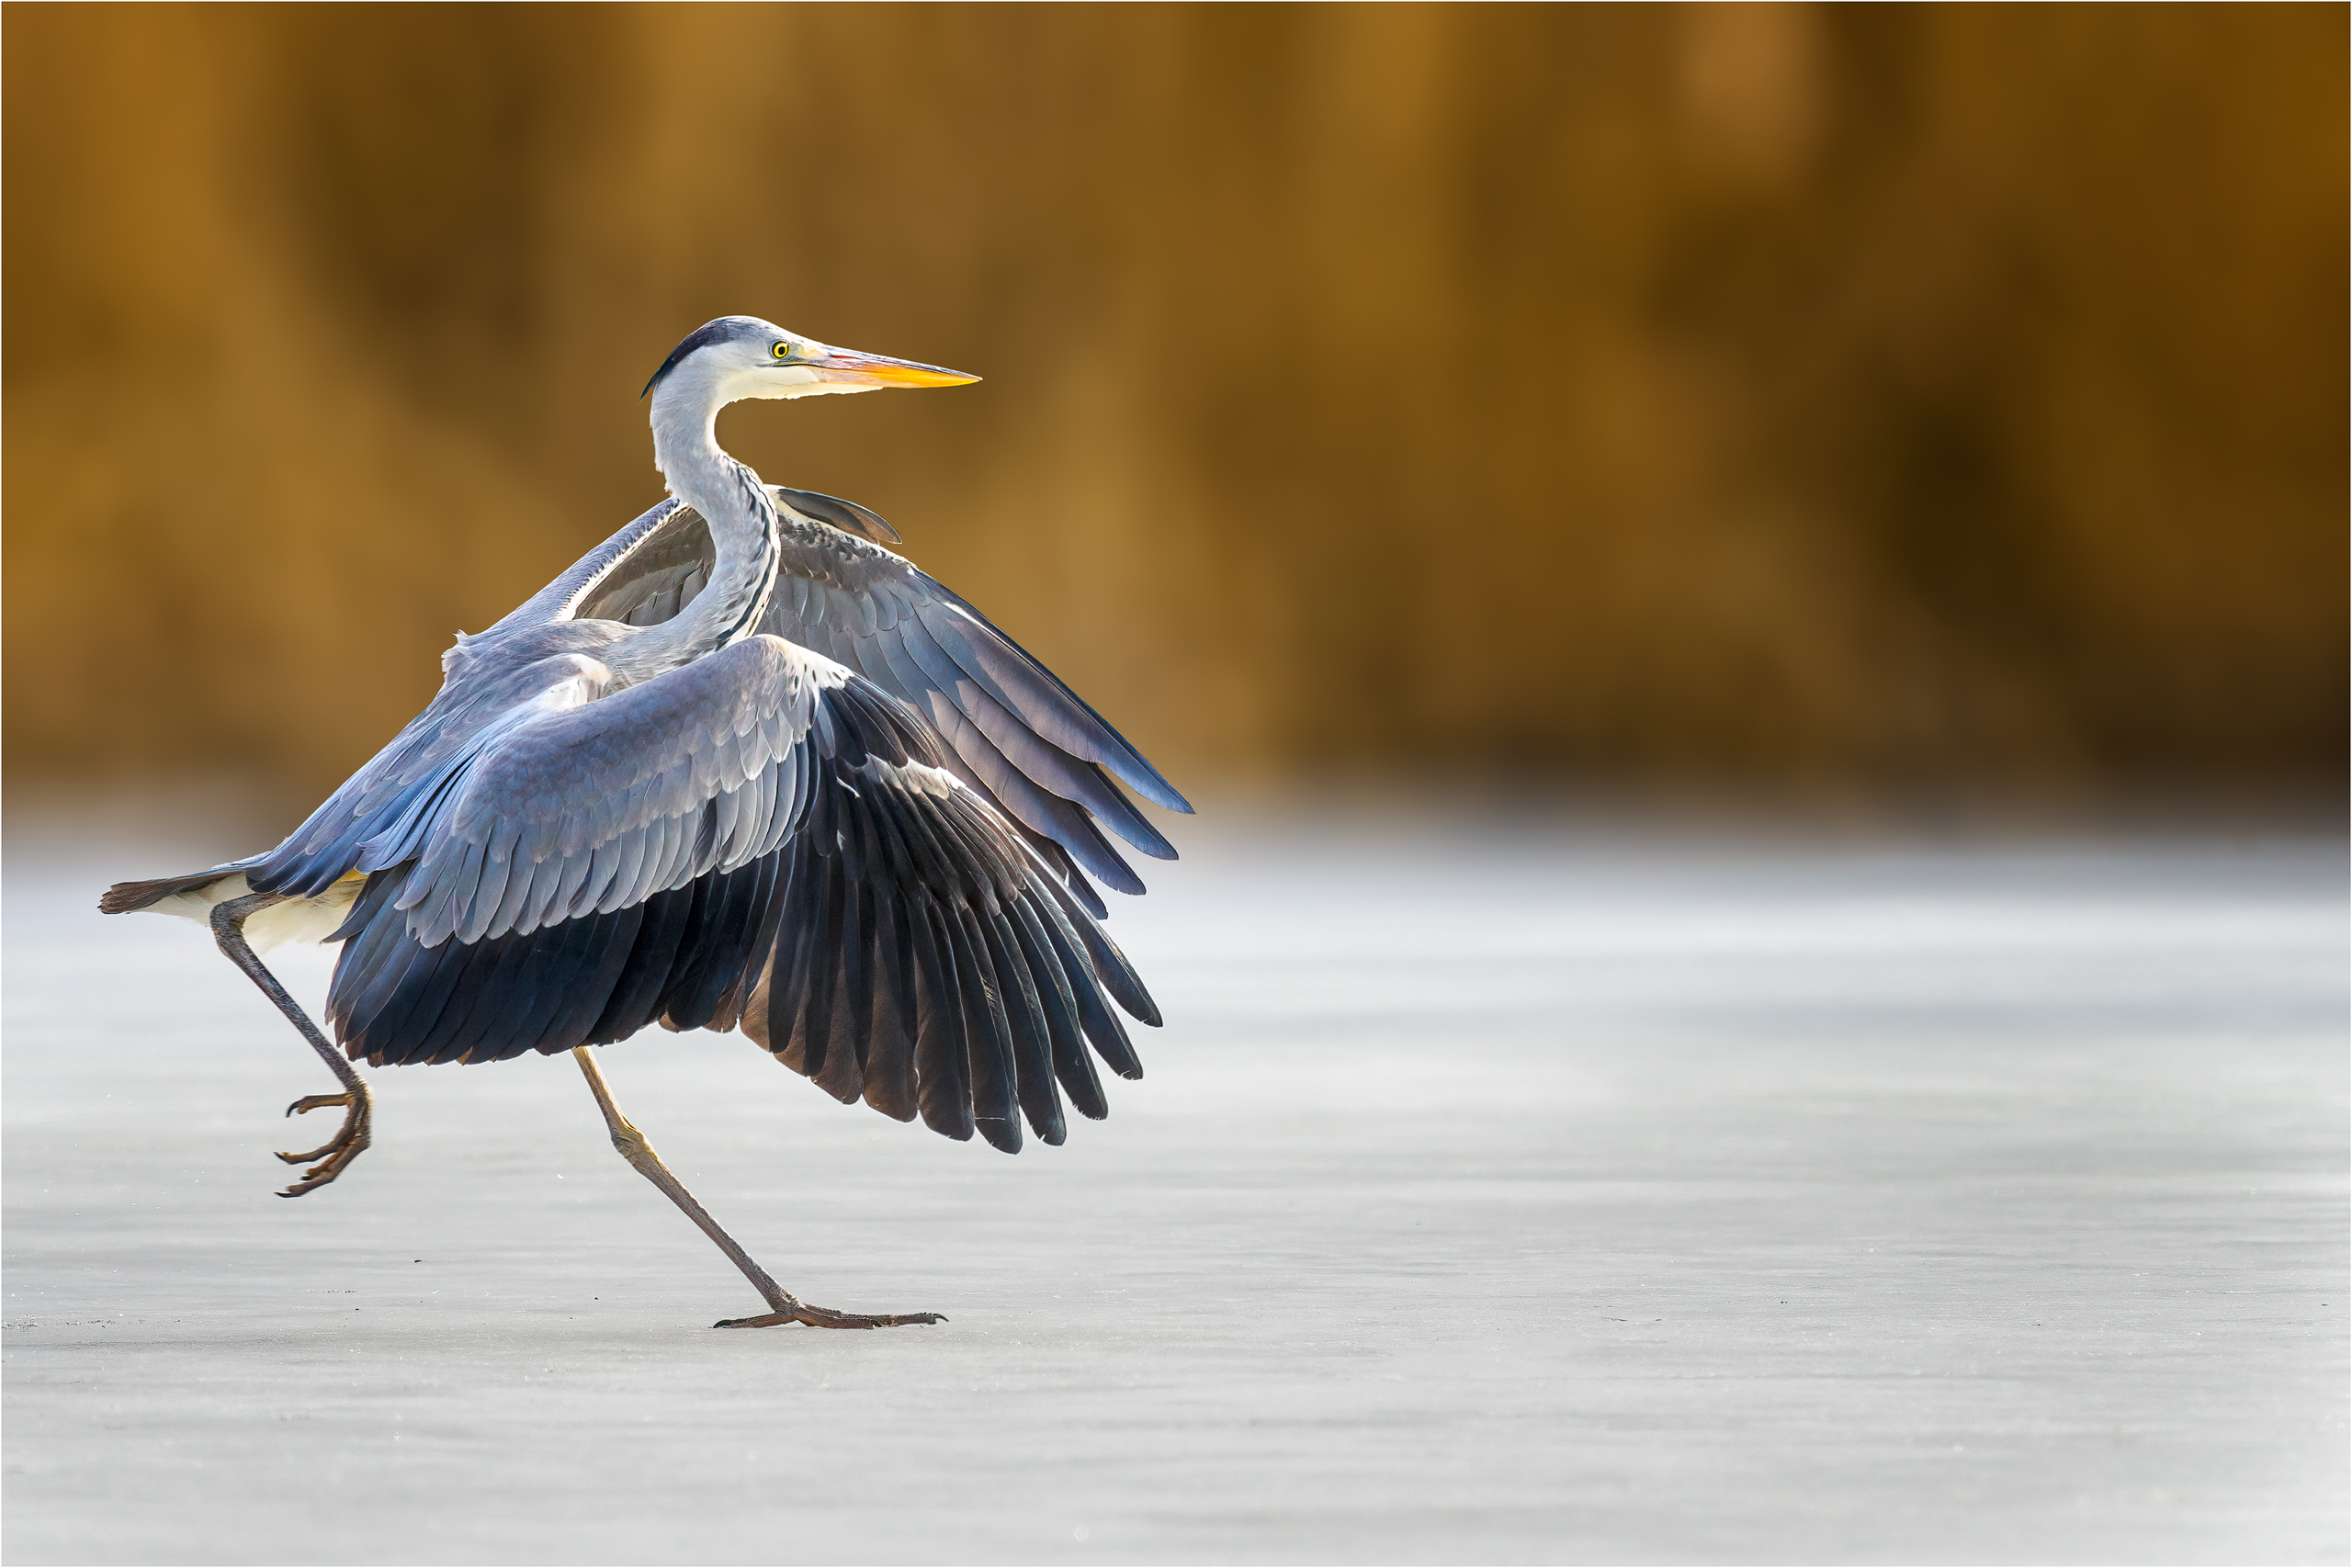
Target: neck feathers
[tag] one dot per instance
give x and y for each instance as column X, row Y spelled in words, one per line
column 743, row 526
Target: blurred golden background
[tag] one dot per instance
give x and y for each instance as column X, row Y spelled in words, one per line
column 1856, row 399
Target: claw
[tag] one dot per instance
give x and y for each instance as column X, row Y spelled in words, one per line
column 314, row 1102
column 336, row 1152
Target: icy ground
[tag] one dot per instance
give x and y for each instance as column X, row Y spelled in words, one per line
column 1493, row 1197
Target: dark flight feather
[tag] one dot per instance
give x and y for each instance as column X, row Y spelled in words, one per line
column 880, row 872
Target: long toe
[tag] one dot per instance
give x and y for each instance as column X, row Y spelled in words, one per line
column 355, row 1126
column 825, row 1318
column 821, row 1318
column 318, row 1175
column 336, row 1152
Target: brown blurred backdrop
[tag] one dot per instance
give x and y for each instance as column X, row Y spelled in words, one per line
column 1854, row 398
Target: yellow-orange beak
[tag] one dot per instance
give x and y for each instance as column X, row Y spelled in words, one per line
column 875, row 370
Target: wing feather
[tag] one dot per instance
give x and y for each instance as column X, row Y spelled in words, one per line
column 942, row 1069
column 990, row 1065
column 876, row 862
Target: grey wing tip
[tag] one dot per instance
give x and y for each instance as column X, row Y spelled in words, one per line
column 1145, row 780
column 1158, row 849
column 846, row 515
column 1157, row 790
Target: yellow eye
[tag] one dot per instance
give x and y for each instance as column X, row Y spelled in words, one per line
column 782, row 350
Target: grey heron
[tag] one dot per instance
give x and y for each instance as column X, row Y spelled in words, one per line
column 741, row 766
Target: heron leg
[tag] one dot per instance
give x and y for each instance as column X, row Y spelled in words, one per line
column 784, row 1306
column 229, row 918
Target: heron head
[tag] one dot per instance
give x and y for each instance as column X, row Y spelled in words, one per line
column 737, row 357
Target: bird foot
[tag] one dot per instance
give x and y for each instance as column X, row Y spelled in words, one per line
column 339, row 1151
column 826, row 1317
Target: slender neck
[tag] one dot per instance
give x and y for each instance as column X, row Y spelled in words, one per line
column 742, row 526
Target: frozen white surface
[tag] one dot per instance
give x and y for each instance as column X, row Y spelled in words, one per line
column 1493, row 1198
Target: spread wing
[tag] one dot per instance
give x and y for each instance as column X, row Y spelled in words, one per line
column 486, row 680
column 760, row 836
column 644, row 574
column 1014, row 733
column 868, row 860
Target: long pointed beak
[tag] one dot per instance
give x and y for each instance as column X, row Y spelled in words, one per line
column 875, row 370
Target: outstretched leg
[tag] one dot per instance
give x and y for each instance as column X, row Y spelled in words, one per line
column 228, row 929
column 786, row 1307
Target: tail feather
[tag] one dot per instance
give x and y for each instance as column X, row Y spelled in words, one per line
column 128, row 897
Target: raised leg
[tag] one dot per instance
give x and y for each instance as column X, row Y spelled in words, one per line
column 228, row 929
column 784, row 1307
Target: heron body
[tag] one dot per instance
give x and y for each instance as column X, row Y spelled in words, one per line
column 741, row 766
